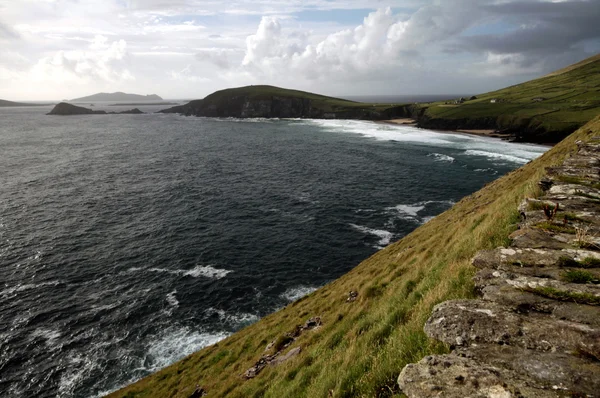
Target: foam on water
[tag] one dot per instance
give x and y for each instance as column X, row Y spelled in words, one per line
column 471, row 145
column 27, row 286
column 411, row 211
column 439, row 157
column 297, row 292
column 172, row 300
column 176, row 343
column 236, row 319
column 501, row 156
column 384, row 236
column 49, row 334
column 207, row 271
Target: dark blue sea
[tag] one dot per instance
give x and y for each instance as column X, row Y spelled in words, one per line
column 130, row 241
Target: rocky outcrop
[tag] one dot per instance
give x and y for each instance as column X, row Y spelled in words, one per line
column 65, row 109
column 535, row 330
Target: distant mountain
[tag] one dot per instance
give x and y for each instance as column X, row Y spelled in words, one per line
column 118, row 96
column 4, row 103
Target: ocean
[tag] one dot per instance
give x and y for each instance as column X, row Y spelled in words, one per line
column 130, row 241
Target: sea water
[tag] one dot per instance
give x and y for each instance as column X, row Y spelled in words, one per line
column 130, row 241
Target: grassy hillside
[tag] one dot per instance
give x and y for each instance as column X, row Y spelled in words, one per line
column 275, row 102
column 328, row 104
column 362, row 345
column 550, row 107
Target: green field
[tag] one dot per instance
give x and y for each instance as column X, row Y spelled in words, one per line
column 566, row 100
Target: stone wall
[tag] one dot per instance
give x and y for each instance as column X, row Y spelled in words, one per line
column 535, row 330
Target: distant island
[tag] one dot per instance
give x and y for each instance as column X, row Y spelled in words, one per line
column 118, row 96
column 6, row 104
column 145, row 103
column 64, row 109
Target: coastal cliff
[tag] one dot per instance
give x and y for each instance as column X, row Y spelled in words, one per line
column 275, row 102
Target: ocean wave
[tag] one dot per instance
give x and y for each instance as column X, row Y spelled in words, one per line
column 207, row 271
column 384, row 236
column 496, row 155
column 28, row 286
column 172, row 300
column 236, row 319
column 50, row 335
column 174, row 344
column 294, row 293
column 440, row 157
column 411, row 212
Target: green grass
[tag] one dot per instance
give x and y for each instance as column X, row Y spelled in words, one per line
column 579, row 276
column 572, row 98
column 562, row 295
column 222, row 98
column 362, row 346
column 555, row 227
column 588, row 262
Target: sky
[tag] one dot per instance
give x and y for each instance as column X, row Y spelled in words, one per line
column 185, row 49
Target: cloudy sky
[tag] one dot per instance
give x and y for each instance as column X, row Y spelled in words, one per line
column 55, row 49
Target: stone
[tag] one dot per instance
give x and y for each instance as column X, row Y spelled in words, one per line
column 537, row 239
column 352, row 296
column 474, row 322
column 290, row 354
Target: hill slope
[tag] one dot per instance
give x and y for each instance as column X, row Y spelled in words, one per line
column 275, row 102
column 5, row 103
column 541, row 110
column 366, row 339
column 118, row 96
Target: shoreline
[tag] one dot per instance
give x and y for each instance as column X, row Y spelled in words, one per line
column 477, row 132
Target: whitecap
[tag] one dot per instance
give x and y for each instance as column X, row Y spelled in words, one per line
column 172, row 300
column 27, row 286
column 50, row 335
column 236, row 319
column 207, row 271
column 175, row 344
column 495, row 155
column 411, row 211
column 297, row 292
column 440, row 157
column 384, row 236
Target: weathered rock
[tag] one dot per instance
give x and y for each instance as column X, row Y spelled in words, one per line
column 352, row 296
column 526, row 302
column 290, row 354
column 574, row 190
column 535, row 333
column 469, row 322
column 506, row 258
column 537, row 239
column 198, row 392
column 451, row 376
column 471, row 372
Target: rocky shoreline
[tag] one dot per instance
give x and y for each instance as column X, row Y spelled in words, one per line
column 535, row 330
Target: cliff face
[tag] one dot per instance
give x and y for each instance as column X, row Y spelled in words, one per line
column 281, row 107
